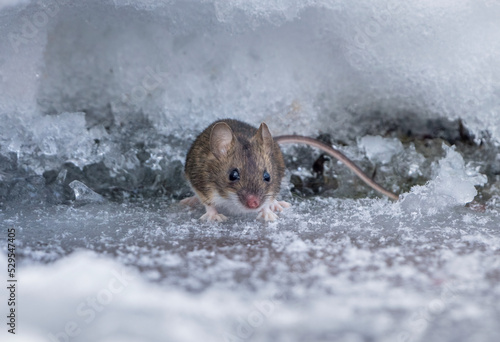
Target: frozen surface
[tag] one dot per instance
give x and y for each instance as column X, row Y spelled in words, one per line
column 100, row 100
column 330, row 269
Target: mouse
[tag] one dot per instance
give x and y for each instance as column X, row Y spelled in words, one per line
column 239, row 167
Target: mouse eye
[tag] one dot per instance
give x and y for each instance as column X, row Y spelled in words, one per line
column 266, row 176
column 234, row 175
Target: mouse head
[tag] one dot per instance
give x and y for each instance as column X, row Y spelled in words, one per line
column 246, row 167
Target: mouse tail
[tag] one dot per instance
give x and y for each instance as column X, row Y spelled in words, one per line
column 294, row 139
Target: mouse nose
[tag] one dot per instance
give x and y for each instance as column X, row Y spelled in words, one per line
column 253, row 201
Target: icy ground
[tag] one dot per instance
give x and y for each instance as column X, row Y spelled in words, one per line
column 100, row 100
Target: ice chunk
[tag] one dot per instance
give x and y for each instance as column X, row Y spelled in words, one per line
column 455, row 180
column 45, row 142
column 63, row 135
column 83, row 194
column 379, row 149
column 453, row 184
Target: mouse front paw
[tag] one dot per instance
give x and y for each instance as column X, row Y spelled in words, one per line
column 267, row 214
column 212, row 215
column 278, row 206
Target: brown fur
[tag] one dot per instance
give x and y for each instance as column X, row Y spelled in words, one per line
column 251, row 151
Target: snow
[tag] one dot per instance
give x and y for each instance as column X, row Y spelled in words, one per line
column 454, row 184
column 379, row 149
column 358, row 269
column 100, row 100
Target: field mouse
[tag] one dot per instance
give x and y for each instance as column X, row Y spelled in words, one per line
column 236, row 166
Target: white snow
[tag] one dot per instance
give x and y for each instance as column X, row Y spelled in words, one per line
column 453, row 185
column 393, row 274
column 379, row 149
column 100, row 100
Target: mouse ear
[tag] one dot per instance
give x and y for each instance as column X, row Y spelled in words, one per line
column 221, row 139
column 264, row 136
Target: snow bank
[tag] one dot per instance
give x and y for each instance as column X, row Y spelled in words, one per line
column 186, row 63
